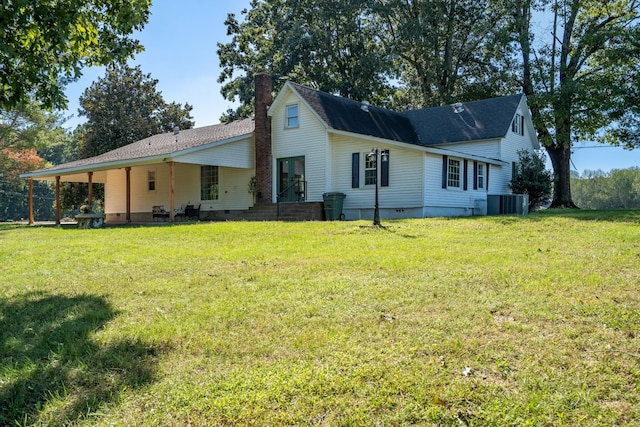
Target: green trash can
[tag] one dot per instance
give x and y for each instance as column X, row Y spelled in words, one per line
column 333, row 205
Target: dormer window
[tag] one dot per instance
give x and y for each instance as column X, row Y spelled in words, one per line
column 292, row 116
column 517, row 126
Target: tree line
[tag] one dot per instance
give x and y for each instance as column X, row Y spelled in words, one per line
column 617, row 189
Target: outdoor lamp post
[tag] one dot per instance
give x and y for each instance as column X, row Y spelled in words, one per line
column 376, row 156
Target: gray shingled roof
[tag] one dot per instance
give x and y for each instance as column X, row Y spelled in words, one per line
column 478, row 120
column 165, row 144
column 486, row 119
column 347, row 115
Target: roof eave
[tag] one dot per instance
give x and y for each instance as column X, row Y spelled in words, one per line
column 96, row 167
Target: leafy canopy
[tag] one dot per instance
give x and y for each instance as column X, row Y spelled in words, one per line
column 45, row 44
column 125, row 106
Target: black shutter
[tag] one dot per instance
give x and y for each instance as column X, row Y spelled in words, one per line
column 445, row 165
column 465, row 176
column 475, row 175
column 355, row 170
column 384, row 170
column 486, row 184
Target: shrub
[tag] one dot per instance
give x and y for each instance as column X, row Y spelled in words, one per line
column 532, row 178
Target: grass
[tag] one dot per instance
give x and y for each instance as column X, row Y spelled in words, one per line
column 491, row 321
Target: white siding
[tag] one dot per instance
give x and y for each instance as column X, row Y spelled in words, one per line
column 233, row 192
column 405, row 171
column 237, row 154
column 449, row 201
column 308, row 140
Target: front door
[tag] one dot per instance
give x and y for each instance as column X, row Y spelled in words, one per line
column 291, row 183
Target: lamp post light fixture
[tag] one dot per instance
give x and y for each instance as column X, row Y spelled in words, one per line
column 376, row 156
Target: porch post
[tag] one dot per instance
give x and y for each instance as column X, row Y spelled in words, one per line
column 90, row 199
column 30, row 201
column 57, row 200
column 128, row 194
column 172, row 191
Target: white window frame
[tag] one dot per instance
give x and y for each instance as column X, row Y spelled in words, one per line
column 215, row 182
column 369, row 178
column 292, row 116
column 481, row 177
column 517, row 126
column 152, row 180
column 453, row 181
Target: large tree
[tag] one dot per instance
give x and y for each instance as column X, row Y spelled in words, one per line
column 45, row 44
column 445, row 50
column 332, row 45
column 125, row 106
column 582, row 78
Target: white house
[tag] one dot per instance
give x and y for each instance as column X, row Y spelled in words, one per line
column 442, row 161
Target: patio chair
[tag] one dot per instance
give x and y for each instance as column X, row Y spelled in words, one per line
column 192, row 212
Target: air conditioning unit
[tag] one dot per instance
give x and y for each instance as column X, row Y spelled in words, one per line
column 508, row 204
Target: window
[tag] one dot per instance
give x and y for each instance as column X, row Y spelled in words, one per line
column 453, row 173
column 369, row 174
column 369, row 170
column 151, row 180
column 480, row 176
column 517, row 126
column 209, row 183
column 292, row 116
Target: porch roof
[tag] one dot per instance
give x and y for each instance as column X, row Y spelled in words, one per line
column 152, row 149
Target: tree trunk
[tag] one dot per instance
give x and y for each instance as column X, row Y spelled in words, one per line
column 560, row 159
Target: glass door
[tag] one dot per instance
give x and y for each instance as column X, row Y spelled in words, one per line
column 291, row 183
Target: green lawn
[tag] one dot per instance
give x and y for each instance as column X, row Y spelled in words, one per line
column 492, row 321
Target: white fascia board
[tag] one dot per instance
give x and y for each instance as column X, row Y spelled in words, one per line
column 119, row 164
column 383, row 143
column 175, row 155
column 96, row 167
column 374, row 139
column 463, row 155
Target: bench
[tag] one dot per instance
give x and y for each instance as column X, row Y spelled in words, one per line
column 159, row 212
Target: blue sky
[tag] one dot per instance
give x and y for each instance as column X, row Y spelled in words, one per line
column 180, row 52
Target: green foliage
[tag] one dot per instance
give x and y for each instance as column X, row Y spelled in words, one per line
column 320, row 323
column 532, row 178
column 391, row 53
column 46, row 43
column 28, row 125
column 124, row 106
column 444, row 51
column 23, row 130
column 619, row 189
column 331, row 45
column 582, row 82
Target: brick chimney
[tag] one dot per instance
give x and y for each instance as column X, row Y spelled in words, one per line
column 262, row 134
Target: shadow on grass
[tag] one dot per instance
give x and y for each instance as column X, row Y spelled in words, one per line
column 52, row 371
